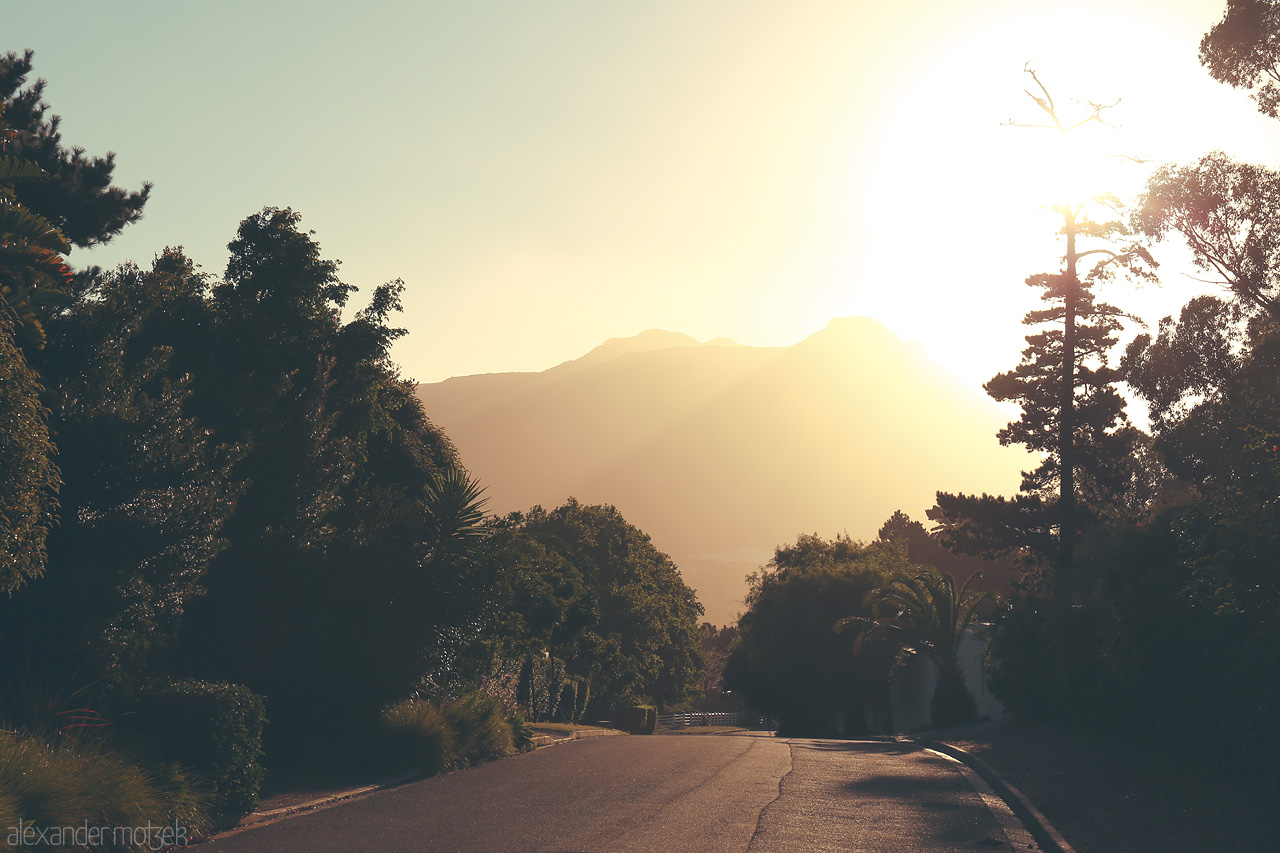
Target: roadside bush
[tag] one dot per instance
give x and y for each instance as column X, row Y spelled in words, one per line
column 481, row 729
column 465, row 731
column 87, row 783
column 1155, row 652
column 214, row 728
column 521, row 735
column 638, row 719
column 418, row 734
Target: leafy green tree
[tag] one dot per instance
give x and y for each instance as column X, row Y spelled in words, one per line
column 147, row 492
column 923, row 612
column 31, row 266
column 1229, row 215
column 1242, row 51
column 348, row 552
column 50, row 199
column 645, row 642
column 541, row 601
column 789, row 662
column 716, row 643
column 536, row 640
column 1210, row 383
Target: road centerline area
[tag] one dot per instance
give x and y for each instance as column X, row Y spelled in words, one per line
column 710, row 794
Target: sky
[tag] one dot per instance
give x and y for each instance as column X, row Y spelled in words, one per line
column 547, row 175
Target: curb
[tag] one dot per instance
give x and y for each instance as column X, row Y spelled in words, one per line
column 1036, row 823
column 540, row 741
column 274, row 815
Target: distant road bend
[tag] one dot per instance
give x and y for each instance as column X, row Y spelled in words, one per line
column 710, row 793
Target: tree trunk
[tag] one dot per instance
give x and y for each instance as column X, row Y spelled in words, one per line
column 1066, row 417
column 952, row 704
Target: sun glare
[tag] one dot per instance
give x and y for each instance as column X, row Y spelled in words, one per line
column 1068, row 167
column 962, row 208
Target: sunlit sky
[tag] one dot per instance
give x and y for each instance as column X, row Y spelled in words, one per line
column 546, row 175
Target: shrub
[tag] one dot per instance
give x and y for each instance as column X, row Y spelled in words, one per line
column 465, row 731
column 88, row 783
column 214, row 728
column 521, row 735
column 638, row 719
column 952, row 703
column 419, row 734
column 481, row 729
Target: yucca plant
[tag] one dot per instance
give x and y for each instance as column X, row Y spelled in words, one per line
column 924, row 613
column 454, row 504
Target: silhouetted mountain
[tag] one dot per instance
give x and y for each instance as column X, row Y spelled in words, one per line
column 721, row 452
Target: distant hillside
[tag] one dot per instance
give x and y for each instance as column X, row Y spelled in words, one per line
column 721, row 451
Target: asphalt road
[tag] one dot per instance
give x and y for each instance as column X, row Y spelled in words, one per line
column 705, row 793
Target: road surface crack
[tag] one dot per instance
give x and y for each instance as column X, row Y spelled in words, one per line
column 791, row 768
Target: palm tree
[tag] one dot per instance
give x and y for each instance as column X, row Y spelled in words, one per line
column 925, row 614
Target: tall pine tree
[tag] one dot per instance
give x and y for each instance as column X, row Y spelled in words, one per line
column 78, row 197
column 1072, row 414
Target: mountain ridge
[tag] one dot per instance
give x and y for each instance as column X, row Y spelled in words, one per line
column 721, row 453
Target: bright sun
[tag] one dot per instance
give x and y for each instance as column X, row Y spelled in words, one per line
column 961, row 211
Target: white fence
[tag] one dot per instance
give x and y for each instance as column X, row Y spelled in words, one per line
column 700, row 718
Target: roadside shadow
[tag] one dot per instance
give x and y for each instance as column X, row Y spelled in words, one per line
column 877, row 747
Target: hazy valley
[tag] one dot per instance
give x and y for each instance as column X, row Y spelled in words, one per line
column 721, row 451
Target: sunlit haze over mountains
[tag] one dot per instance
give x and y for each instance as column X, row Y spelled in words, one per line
column 721, row 451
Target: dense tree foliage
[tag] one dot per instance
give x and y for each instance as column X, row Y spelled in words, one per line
column 147, row 491
column 28, row 476
column 1175, row 622
column 1242, row 51
column 584, row 615
column 332, row 560
column 925, row 548
column 38, row 189
column 1229, row 215
column 789, row 662
column 644, row 644
column 252, row 494
column 716, row 643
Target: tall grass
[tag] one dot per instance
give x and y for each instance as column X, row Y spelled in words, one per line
column 57, row 781
column 481, row 728
column 437, row 737
column 419, row 735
